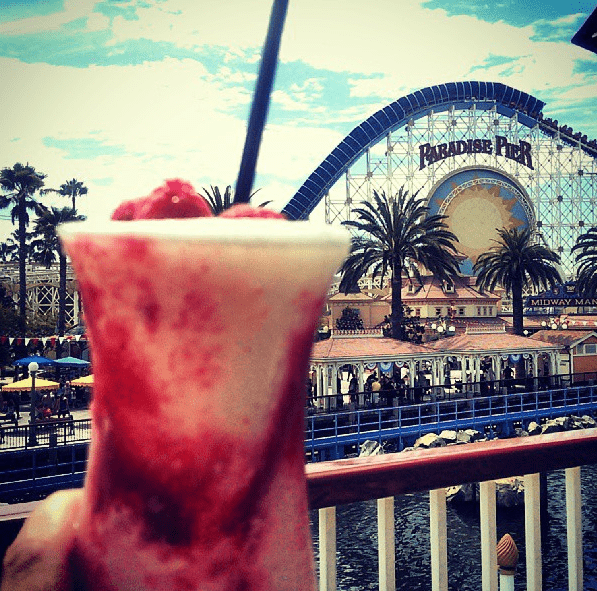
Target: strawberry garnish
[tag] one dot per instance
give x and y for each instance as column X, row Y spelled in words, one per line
column 178, row 199
column 175, row 199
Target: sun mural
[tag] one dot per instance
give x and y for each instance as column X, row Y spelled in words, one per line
column 478, row 203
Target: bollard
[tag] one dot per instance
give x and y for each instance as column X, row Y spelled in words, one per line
column 507, row 558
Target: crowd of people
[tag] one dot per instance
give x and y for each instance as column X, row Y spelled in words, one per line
column 49, row 404
column 395, row 388
column 382, row 390
column 10, row 405
column 52, row 405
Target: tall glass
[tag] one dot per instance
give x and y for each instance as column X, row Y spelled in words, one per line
column 201, row 332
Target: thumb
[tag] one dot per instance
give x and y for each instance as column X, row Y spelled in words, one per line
column 38, row 559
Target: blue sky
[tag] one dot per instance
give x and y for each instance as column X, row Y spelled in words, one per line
column 123, row 94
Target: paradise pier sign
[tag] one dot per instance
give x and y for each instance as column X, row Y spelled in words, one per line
column 482, row 153
column 520, row 152
column 563, row 296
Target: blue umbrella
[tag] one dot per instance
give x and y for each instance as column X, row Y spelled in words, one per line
column 71, row 362
column 37, row 358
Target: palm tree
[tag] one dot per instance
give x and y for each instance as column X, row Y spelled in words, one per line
column 12, row 249
column 21, row 182
column 516, row 263
column 47, row 247
column 72, row 189
column 396, row 235
column 218, row 202
column 8, row 251
column 586, row 274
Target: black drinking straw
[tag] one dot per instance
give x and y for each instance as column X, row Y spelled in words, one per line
column 263, row 88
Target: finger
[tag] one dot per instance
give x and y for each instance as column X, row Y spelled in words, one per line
column 38, row 558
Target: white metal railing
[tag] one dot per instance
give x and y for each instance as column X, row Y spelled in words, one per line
column 485, row 329
column 343, row 481
column 383, row 477
column 361, row 332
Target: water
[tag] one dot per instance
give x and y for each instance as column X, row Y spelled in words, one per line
column 357, row 541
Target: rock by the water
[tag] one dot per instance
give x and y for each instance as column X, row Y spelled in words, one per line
column 475, row 435
column 429, row 440
column 462, row 493
column 584, row 422
column 449, row 436
column 556, row 425
column 469, row 436
column 510, row 492
column 370, row 448
column 576, row 423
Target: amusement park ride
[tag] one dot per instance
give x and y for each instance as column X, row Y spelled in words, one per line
column 480, row 152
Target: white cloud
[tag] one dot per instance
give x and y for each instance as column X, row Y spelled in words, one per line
column 73, row 9
column 409, row 45
column 97, row 22
column 580, row 93
column 292, row 152
column 190, row 24
column 167, row 118
column 563, row 20
column 173, row 118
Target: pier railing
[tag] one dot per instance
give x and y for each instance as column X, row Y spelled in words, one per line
column 383, row 477
column 455, row 388
column 45, row 433
column 334, row 435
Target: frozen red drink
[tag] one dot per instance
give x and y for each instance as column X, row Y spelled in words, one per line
column 201, row 331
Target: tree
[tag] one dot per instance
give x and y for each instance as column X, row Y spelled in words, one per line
column 47, row 248
column 220, row 202
column 413, row 329
column 72, row 189
column 20, row 183
column 9, row 319
column 350, row 320
column 395, row 236
column 217, row 201
column 586, row 274
column 11, row 249
column 8, row 251
column 516, row 264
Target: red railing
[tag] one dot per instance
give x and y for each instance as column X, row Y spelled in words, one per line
column 362, row 479
column 383, row 477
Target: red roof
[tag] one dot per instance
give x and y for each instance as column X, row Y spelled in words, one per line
column 581, row 322
column 375, row 347
column 489, row 342
column 349, row 297
column 432, row 290
column 565, row 338
column 362, row 347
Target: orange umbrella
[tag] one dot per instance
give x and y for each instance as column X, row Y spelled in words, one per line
column 84, row 381
column 25, row 385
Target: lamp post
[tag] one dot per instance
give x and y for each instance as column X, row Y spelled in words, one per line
column 442, row 328
column 558, row 324
column 33, row 368
column 555, row 324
